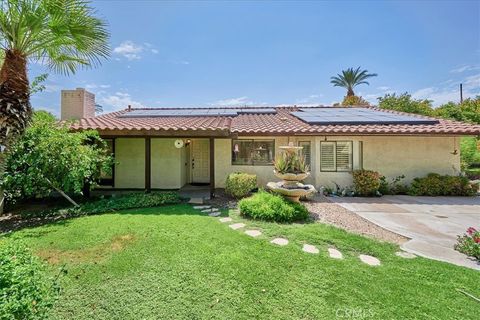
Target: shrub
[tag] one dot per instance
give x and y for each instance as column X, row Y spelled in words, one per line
column 354, row 101
column 240, row 184
column 272, row 207
column 435, row 184
column 469, row 243
column 26, row 292
column 392, row 187
column 366, row 182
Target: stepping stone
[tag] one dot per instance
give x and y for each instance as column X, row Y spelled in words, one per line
column 406, row 255
column 201, row 207
column 215, row 214
column 335, row 254
column 210, row 210
column 310, row 249
column 253, row 233
column 196, row 200
column 236, row 226
column 227, row 219
column 280, row 241
column 371, row 261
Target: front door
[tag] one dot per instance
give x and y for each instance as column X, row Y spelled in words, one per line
column 200, row 160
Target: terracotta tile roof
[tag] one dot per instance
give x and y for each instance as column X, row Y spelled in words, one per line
column 262, row 124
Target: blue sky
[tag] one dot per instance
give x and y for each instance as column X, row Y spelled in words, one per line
column 269, row 53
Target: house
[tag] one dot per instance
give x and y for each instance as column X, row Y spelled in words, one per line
column 167, row 148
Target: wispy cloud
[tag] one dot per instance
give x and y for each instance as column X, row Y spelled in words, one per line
column 118, row 100
column 465, row 68
column 129, row 50
column 92, row 86
column 233, row 102
column 312, row 99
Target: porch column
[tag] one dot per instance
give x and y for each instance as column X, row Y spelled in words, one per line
column 212, row 167
column 148, row 161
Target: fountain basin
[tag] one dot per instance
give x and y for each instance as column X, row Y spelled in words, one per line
column 291, row 192
column 291, row 176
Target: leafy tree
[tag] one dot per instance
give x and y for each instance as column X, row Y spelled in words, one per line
column 468, row 110
column 405, row 103
column 63, row 34
column 354, row 101
column 49, row 157
column 351, row 78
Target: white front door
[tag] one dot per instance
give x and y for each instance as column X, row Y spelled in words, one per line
column 200, row 160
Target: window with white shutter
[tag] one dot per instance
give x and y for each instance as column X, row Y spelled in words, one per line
column 306, row 151
column 336, row 156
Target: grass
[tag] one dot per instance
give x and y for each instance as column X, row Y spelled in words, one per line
column 172, row 262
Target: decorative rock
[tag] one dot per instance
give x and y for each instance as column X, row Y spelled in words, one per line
column 253, row 233
column 201, row 207
column 280, row 241
column 236, row 226
column 334, row 253
column 371, row 261
column 227, row 219
column 406, row 255
column 310, row 249
column 215, row 214
column 196, row 200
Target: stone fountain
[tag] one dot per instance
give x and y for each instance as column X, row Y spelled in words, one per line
column 291, row 169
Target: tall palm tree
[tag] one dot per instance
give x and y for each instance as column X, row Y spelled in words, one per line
column 351, row 78
column 64, row 35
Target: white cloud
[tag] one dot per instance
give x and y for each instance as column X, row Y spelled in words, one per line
column 383, row 88
column 465, row 68
column 118, row 100
column 233, row 102
column 129, row 50
column 155, row 51
column 312, row 99
column 52, row 88
column 92, row 86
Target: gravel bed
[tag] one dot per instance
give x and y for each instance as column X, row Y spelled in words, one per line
column 328, row 212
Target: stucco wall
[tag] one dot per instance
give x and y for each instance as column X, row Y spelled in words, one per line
column 168, row 164
column 130, row 163
column 390, row 155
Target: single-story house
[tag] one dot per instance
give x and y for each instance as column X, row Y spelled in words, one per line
column 167, row 148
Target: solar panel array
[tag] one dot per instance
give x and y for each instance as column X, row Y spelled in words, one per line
column 356, row 116
column 213, row 112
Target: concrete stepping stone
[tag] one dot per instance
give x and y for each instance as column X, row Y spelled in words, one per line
column 404, row 254
column 196, row 200
column 253, row 233
column 227, row 219
column 280, row 241
column 371, row 261
column 236, row 226
column 201, row 207
column 310, row 249
column 335, row 254
column 215, row 214
column 210, row 210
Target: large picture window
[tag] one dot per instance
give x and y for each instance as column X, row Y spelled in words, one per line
column 336, row 156
column 253, row 152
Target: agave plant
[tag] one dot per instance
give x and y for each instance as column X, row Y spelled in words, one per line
column 291, row 162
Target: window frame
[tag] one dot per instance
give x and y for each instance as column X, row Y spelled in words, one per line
column 335, row 156
column 251, row 163
column 310, row 146
column 109, row 181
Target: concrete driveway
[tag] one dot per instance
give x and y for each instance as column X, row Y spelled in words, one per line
column 432, row 223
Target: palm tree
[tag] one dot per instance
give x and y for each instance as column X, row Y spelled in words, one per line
column 350, row 78
column 64, row 35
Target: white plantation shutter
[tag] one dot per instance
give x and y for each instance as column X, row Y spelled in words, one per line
column 306, row 151
column 344, row 156
column 327, row 156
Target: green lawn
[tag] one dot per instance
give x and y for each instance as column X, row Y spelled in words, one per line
column 173, row 263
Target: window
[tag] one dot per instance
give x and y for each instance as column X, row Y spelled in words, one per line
column 336, row 156
column 253, row 152
column 306, row 151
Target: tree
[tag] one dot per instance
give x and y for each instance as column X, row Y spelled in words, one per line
column 351, row 78
column 49, row 157
column 468, row 110
column 64, row 35
column 405, row 103
column 354, row 101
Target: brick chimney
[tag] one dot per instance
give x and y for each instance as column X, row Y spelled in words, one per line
column 76, row 104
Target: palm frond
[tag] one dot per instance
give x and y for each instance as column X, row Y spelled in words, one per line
column 350, row 78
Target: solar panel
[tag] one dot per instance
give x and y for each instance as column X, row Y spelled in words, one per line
column 348, row 116
column 213, row 112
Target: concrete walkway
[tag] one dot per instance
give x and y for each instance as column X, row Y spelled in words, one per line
column 432, row 223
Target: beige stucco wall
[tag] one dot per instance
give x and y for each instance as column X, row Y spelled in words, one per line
column 167, row 164
column 77, row 104
column 130, row 163
column 390, row 155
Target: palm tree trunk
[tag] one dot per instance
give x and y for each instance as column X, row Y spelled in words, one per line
column 350, row 92
column 15, row 109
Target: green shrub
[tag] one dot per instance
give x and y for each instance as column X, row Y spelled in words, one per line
column 469, row 243
column 240, row 184
column 272, row 207
column 26, row 292
column 366, row 182
column 392, row 187
column 435, row 184
column 113, row 203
